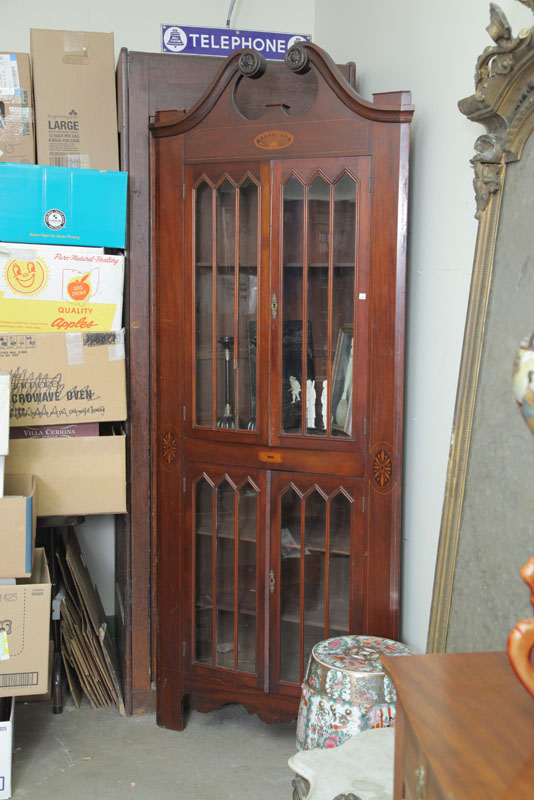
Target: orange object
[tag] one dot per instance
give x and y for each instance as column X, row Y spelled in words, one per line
column 521, row 638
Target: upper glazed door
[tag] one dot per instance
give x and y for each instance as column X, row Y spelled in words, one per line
column 319, row 302
column 224, row 285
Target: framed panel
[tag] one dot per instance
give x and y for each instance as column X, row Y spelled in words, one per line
column 486, row 528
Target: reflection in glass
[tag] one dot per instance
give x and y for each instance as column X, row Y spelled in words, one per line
column 290, row 587
column 339, row 565
column 314, row 570
column 247, row 302
column 246, row 632
column 343, row 278
column 203, row 495
column 203, row 304
column 225, row 206
column 225, row 574
column 318, row 291
column 292, row 323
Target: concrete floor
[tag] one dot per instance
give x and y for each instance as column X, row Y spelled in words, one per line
column 88, row 754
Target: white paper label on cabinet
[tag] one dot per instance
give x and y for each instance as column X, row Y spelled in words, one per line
column 362, row 296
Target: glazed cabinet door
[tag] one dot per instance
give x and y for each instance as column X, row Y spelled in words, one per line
column 224, row 337
column 317, row 569
column 321, row 218
column 225, row 574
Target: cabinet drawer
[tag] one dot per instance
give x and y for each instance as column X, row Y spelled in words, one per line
column 420, row 782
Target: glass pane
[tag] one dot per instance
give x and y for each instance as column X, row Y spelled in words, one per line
column 203, row 572
column 343, row 306
column 248, row 516
column 339, row 566
column 293, row 221
column 314, row 570
column 225, row 308
column 225, row 574
column 318, row 297
column 248, row 304
column 203, row 305
column 290, row 587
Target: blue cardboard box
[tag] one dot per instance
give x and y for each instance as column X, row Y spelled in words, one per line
column 62, row 205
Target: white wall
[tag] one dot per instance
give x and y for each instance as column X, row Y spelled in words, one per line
column 136, row 23
column 430, row 48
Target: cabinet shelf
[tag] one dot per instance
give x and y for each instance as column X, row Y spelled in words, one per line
column 225, row 602
column 223, row 535
column 314, row 617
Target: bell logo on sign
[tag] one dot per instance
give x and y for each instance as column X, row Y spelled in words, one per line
column 175, row 39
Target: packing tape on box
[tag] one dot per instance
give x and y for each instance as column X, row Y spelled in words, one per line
column 75, row 49
column 114, row 340
column 74, row 342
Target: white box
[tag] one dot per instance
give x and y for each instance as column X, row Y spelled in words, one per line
column 70, row 289
column 6, row 751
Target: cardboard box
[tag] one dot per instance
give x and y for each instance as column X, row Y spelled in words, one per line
column 5, row 392
column 7, row 715
column 65, row 377
column 75, row 98
column 17, row 143
column 46, row 249
column 26, row 621
column 67, row 290
column 82, row 475
column 56, row 205
column 37, row 698
column 17, row 526
column 50, row 431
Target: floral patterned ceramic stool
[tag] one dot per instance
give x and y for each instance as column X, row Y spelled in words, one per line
column 346, row 690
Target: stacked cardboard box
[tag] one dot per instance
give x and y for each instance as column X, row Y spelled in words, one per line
column 61, row 342
column 75, row 99
column 17, row 143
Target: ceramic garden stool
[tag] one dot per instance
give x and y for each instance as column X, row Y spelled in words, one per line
column 346, row 690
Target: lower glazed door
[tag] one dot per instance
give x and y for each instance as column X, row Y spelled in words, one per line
column 317, row 569
column 224, row 559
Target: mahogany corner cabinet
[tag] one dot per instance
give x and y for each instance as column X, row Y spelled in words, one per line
column 279, row 267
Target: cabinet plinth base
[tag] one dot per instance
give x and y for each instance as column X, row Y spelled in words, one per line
column 269, row 707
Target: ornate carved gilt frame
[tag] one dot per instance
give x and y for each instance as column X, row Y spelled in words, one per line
column 504, row 103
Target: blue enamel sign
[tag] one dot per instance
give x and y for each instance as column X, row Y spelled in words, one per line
column 223, row 41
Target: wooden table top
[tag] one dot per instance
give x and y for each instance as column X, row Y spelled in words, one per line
column 474, row 720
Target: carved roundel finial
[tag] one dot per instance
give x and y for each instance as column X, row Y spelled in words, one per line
column 251, row 64
column 297, row 58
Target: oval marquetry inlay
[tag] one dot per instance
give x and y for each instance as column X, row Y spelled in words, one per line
column 169, row 447
column 382, row 468
column 273, row 140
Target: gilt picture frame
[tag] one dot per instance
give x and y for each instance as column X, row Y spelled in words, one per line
column 485, row 534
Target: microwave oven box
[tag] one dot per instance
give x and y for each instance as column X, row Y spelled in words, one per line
column 61, row 378
column 6, row 746
column 24, row 648
column 75, row 476
column 60, row 290
column 18, row 511
column 75, row 98
column 62, row 206
column 17, row 141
